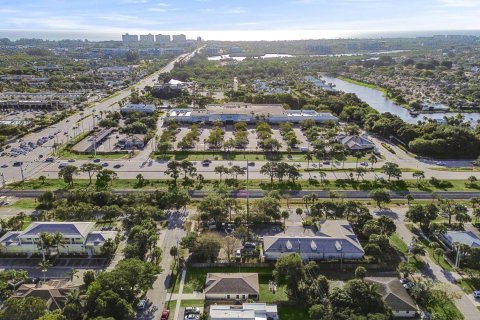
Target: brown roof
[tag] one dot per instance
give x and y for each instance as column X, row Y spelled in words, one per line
column 53, row 292
column 232, row 283
column 394, row 294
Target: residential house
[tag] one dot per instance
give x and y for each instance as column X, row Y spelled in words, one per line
column 356, row 143
column 467, row 238
column 80, row 238
column 232, row 286
column 395, row 296
column 54, row 292
column 247, row 311
column 334, row 241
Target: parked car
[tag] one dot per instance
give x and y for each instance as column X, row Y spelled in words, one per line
column 404, row 280
column 142, row 304
column 192, row 316
column 238, row 253
column 476, row 294
column 326, row 162
column 4, row 165
column 365, row 164
column 49, row 159
column 96, row 160
column 192, row 310
column 409, row 285
column 249, row 245
column 165, row 314
column 17, row 163
column 117, row 166
column 62, row 165
column 105, row 164
column 251, row 164
column 71, row 160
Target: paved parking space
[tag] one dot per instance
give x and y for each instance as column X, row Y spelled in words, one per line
column 303, row 140
column 184, row 129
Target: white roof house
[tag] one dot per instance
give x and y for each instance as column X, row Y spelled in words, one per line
column 335, row 240
column 80, row 238
column 463, row 237
column 247, row 311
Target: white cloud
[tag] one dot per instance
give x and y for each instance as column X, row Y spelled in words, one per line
column 460, row 3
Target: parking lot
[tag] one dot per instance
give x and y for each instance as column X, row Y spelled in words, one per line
column 229, row 133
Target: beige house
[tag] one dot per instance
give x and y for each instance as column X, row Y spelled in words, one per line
column 395, row 296
column 54, row 292
column 232, row 286
column 80, row 238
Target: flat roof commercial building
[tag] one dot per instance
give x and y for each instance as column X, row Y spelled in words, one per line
column 138, row 107
column 247, row 311
column 246, row 112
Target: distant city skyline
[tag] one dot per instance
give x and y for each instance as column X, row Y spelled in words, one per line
column 233, row 20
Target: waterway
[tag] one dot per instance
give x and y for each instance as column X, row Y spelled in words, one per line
column 377, row 100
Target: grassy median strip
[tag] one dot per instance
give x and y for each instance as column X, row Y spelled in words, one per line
column 257, row 184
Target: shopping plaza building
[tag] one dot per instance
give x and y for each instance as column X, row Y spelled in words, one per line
column 246, row 112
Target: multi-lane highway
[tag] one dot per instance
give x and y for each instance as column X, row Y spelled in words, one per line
column 34, row 161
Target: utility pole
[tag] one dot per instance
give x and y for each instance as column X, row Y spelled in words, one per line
column 21, row 171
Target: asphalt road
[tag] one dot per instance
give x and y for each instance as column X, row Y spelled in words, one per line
column 63, row 130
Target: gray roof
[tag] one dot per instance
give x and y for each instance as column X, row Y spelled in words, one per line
column 10, row 237
column 464, row 237
column 65, row 228
column 334, row 236
column 394, row 294
column 232, row 283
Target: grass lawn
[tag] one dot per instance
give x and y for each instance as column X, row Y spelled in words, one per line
column 266, row 295
column 445, row 308
column 171, row 305
column 398, row 244
column 259, row 184
column 192, row 303
column 292, row 313
column 25, row 203
column 195, row 278
column 440, row 261
column 466, row 285
column 26, row 222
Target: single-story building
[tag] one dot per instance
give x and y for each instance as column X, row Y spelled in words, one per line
column 80, row 238
column 138, row 107
column 54, row 292
column 134, row 141
column 334, row 241
column 467, row 238
column 246, row 112
column 356, row 143
column 247, row 311
column 232, row 286
column 395, row 296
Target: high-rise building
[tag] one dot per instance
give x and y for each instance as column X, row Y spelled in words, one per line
column 162, row 38
column 199, row 39
column 129, row 38
column 179, row 38
column 147, row 39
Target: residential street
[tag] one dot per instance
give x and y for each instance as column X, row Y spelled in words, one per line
column 466, row 304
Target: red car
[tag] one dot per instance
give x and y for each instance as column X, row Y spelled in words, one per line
column 165, row 314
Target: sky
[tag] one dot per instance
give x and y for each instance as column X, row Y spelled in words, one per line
column 235, row 20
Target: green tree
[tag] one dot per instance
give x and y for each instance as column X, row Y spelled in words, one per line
column 285, row 216
column 53, row 315
column 29, row 308
column 392, row 170
column 360, row 272
column 67, row 174
column 90, row 169
column 213, row 206
column 88, row 277
column 289, row 270
column 380, row 196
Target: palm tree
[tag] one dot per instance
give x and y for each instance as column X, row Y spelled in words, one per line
column 285, row 216
column 58, row 240
column 373, row 159
column 43, row 266
column 72, row 274
column 409, row 199
column 308, row 157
